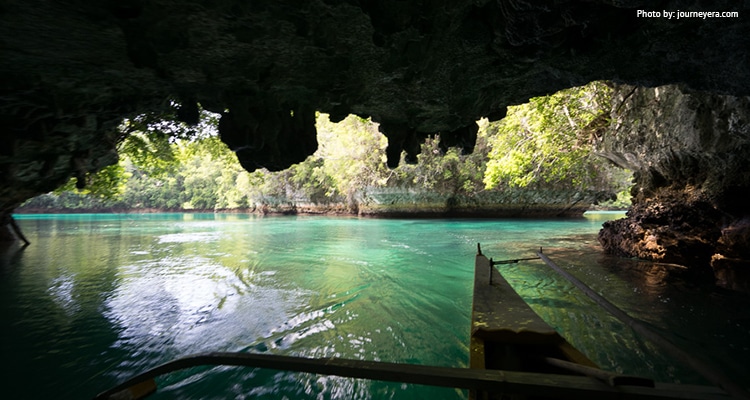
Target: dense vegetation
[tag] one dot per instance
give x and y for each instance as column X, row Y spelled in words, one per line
column 164, row 165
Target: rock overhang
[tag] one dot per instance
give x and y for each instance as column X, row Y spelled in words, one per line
column 72, row 70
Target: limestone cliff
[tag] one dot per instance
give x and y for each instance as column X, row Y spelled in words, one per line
column 691, row 155
column 73, row 69
column 405, row 202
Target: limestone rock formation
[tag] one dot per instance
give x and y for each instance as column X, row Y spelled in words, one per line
column 416, row 203
column 71, row 70
column 691, row 155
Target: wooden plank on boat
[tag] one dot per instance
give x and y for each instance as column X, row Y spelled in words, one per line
column 500, row 315
column 508, row 335
column 499, row 311
column 510, row 382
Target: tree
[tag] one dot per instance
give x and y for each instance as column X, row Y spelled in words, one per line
column 548, row 141
column 106, row 184
column 210, row 174
column 353, row 154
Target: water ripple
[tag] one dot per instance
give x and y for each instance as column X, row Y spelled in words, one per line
column 91, row 303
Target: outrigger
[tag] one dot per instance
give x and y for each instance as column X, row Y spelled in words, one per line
column 506, row 334
column 514, row 355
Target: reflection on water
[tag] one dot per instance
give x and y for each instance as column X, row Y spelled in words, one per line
column 98, row 298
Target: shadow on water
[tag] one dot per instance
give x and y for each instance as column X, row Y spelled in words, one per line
column 10, row 256
column 703, row 319
column 94, row 301
column 46, row 330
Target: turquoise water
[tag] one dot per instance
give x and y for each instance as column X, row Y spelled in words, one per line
column 98, row 298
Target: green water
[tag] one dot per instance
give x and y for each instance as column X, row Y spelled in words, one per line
column 98, row 298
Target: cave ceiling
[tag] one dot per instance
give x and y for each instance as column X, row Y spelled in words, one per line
column 72, row 70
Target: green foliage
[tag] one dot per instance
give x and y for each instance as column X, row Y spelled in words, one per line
column 151, row 152
column 545, row 143
column 548, row 141
column 148, row 139
column 107, row 184
column 205, row 177
column 146, row 192
column 166, row 123
column 620, row 181
column 146, row 142
column 451, row 172
column 353, row 155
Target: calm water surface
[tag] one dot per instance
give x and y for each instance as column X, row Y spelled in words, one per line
column 98, row 298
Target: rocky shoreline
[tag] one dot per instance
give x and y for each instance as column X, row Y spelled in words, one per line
column 688, row 151
column 399, row 203
column 340, row 210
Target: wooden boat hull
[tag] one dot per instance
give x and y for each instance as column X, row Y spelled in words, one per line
column 514, row 355
column 506, row 334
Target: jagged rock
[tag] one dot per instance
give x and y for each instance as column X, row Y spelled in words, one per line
column 76, row 68
column 690, row 153
column 406, row 202
column 266, row 137
column 71, row 70
column 510, row 203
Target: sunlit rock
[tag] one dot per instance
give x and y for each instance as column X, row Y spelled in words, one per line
column 72, row 70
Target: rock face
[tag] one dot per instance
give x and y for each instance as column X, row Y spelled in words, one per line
column 403, row 202
column 73, row 69
column 510, row 203
column 691, row 155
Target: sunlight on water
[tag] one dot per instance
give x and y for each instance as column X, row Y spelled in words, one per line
column 98, row 298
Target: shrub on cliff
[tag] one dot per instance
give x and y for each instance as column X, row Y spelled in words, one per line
column 547, row 142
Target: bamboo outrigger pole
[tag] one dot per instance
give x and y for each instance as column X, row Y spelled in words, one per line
column 704, row 367
column 509, row 382
column 596, row 385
